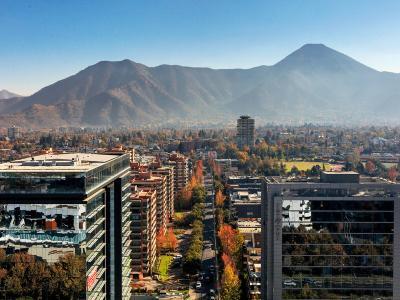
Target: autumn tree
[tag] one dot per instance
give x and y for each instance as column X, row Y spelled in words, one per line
column 170, row 240
column 370, row 167
column 392, row 174
column 230, row 283
column 231, row 241
column 219, row 199
column 199, row 171
column 68, row 277
column 161, row 241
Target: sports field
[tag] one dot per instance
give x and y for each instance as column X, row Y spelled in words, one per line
column 307, row 165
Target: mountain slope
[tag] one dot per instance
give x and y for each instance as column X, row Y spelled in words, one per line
column 4, row 94
column 313, row 84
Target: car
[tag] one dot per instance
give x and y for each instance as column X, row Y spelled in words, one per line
column 198, row 285
column 289, row 283
column 311, row 282
column 212, row 292
column 212, row 297
column 212, row 268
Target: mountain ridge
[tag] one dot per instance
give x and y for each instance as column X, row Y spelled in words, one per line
column 313, row 83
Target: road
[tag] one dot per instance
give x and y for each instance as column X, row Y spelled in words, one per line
column 209, row 275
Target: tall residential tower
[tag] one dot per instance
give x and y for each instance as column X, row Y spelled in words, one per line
column 245, row 132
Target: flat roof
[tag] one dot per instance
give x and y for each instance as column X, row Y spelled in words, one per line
column 78, row 162
column 364, row 180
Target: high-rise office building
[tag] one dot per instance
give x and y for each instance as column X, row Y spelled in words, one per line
column 333, row 237
column 245, row 134
column 71, row 205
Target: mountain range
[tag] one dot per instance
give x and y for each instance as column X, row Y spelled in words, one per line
column 313, row 84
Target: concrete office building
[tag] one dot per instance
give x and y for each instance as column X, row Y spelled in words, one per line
column 333, row 237
column 245, row 135
column 71, row 204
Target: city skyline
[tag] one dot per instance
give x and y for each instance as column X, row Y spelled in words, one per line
column 45, row 42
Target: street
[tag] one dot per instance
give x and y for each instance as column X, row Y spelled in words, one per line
column 208, row 275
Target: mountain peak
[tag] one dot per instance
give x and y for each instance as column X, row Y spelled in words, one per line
column 320, row 57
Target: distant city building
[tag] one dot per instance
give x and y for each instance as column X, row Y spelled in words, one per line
column 13, row 133
column 245, row 135
column 333, row 237
column 71, row 204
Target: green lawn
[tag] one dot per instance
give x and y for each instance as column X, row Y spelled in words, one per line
column 165, row 261
column 305, row 165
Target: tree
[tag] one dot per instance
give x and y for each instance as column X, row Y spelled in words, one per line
column 370, row 167
column 161, row 241
column 198, row 194
column 295, row 171
column 199, row 171
column 230, row 283
column 392, row 174
column 231, row 241
column 170, row 240
column 219, row 199
column 68, row 277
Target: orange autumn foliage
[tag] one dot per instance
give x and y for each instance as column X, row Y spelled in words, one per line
column 219, row 199
column 231, row 241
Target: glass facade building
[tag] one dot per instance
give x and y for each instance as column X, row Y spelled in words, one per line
column 70, row 209
column 335, row 238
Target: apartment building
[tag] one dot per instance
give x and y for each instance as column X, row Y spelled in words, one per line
column 245, row 132
column 168, row 173
column 182, row 171
column 144, row 232
column 145, row 180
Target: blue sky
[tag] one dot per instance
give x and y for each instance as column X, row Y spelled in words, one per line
column 44, row 41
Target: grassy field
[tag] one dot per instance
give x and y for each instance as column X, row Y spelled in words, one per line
column 305, row 165
column 165, row 261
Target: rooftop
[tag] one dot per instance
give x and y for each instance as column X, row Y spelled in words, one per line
column 345, row 177
column 66, row 162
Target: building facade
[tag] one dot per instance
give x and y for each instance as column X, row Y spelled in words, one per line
column 245, row 134
column 168, row 173
column 335, row 237
column 145, row 180
column 74, row 207
column 144, row 232
column 182, row 171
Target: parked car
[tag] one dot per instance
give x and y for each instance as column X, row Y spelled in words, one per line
column 198, row 285
column 289, row 283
